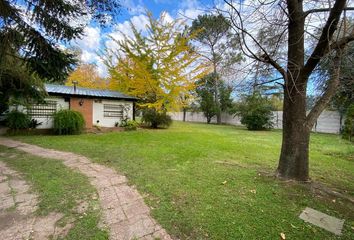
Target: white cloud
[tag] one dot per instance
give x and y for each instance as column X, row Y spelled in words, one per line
column 87, row 56
column 121, row 29
column 94, row 39
column 91, row 39
column 133, row 7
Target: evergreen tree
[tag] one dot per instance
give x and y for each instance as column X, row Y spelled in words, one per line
column 30, row 34
column 218, row 46
column 206, row 92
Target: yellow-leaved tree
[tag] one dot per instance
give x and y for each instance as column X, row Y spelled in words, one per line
column 158, row 66
column 87, row 76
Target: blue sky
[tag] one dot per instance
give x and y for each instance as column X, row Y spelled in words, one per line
column 133, row 10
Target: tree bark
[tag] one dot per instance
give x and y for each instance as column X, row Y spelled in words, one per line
column 216, row 87
column 294, row 155
column 297, row 125
column 208, row 120
column 184, row 114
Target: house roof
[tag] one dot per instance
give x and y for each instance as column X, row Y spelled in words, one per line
column 85, row 92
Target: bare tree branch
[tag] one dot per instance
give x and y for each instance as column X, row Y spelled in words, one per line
column 266, row 58
column 332, row 85
column 270, row 81
column 318, row 10
column 327, row 33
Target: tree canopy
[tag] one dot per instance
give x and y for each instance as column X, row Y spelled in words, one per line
column 205, row 92
column 87, row 76
column 31, row 33
column 159, row 67
column 301, row 53
column 219, row 47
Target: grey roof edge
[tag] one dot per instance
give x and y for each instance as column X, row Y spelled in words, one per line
column 87, row 92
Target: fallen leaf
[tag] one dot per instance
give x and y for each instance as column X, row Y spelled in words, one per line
column 224, row 182
column 334, row 201
column 282, row 236
column 253, row 191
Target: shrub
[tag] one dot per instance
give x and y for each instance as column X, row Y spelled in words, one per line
column 348, row 128
column 67, row 122
column 156, row 119
column 34, row 123
column 16, row 120
column 255, row 112
column 130, row 125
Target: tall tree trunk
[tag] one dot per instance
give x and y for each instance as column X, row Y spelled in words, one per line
column 184, row 114
column 294, row 156
column 216, row 87
column 208, row 120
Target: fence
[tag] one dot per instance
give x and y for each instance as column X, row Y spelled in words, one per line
column 328, row 122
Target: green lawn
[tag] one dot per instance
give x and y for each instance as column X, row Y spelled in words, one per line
column 60, row 190
column 210, row 182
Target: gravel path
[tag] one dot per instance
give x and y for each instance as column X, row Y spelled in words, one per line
column 124, row 211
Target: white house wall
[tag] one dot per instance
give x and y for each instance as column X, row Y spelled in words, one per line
column 98, row 116
column 47, row 122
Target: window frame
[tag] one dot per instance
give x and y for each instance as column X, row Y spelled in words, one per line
column 113, row 110
column 43, row 110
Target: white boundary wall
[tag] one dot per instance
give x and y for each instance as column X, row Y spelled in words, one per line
column 328, row 122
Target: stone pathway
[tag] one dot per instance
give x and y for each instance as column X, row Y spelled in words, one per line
column 17, row 207
column 124, row 211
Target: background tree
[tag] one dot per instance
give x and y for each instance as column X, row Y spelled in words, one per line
column 87, row 76
column 297, row 67
column 206, row 96
column 158, row 67
column 30, row 34
column 344, row 95
column 218, row 47
column 256, row 112
column 348, row 128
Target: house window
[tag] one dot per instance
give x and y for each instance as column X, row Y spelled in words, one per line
column 42, row 110
column 112, row 110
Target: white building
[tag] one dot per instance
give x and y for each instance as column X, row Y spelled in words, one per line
column 103, row 108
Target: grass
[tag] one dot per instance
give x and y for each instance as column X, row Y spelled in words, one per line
column 207, row 181
column 60, row 190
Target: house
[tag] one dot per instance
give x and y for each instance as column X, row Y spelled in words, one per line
column 103, row 108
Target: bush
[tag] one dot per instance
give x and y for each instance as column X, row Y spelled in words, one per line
column 348, row 128
column 17, row 120
column 67, row 122
column 34, row 123
column 256, row 112
column 130, row 125
column 156, row 119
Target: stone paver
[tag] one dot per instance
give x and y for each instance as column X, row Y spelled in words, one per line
column 124, row 211
column 17, row 207
column 322, row 220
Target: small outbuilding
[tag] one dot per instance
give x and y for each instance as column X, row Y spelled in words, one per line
column 104, row 108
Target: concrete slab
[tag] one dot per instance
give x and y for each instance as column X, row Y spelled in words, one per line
column 322, row 220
